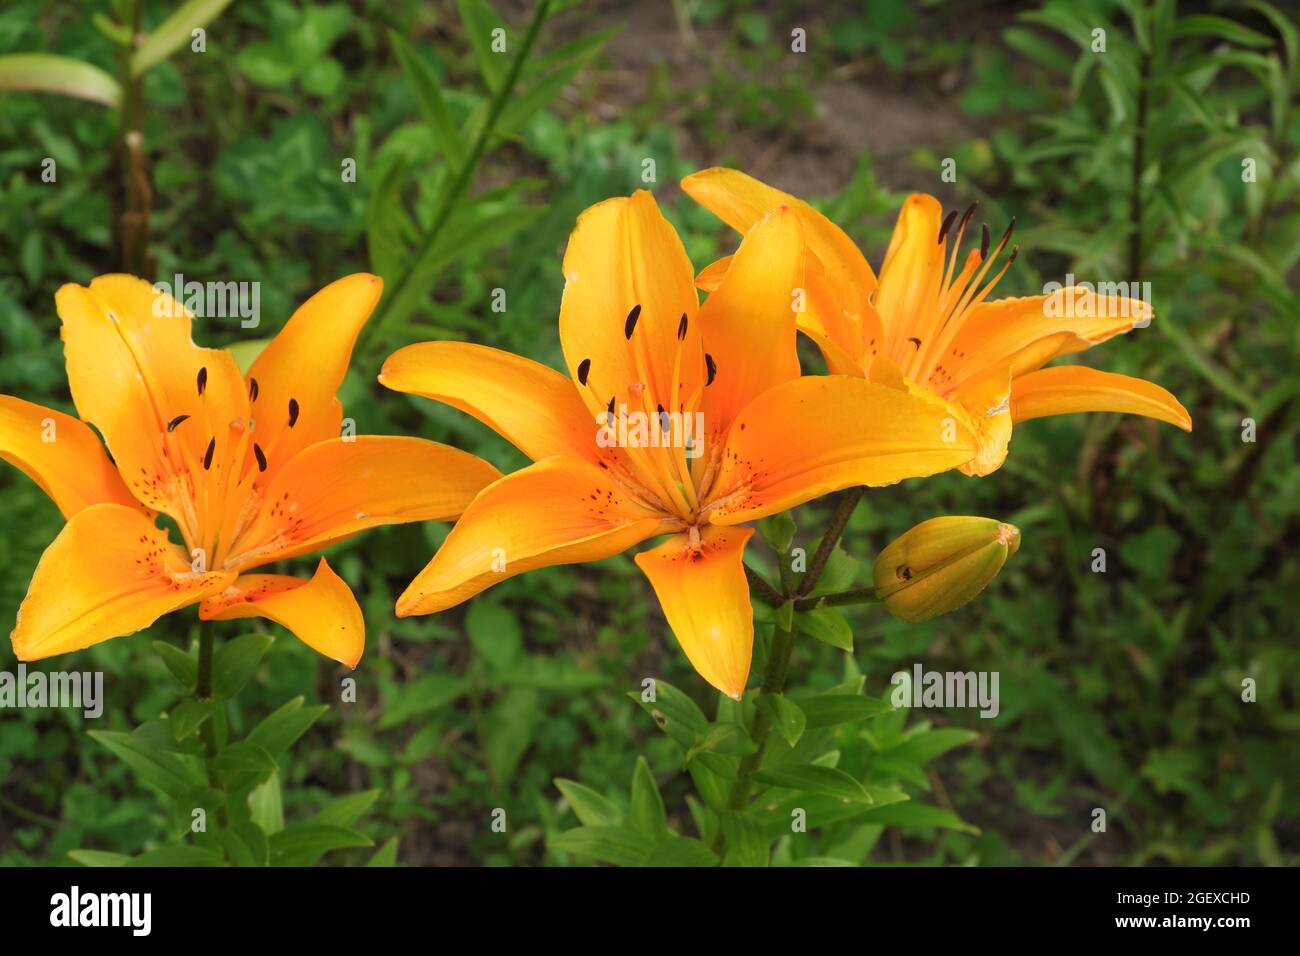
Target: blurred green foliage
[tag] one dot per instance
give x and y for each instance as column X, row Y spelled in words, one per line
column 1120, row 690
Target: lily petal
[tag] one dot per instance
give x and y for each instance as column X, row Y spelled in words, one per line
column 133, row 370
column 1064, row 389
column 333, row 489
column 913, row 268
column 817, row 434
column 705, row 597
column 305, row 364
column 748, row 324
column 110, row 572
column 622, row 254
column 322, row 613
column 61, row 454
column 1030, row 331
column 740, row 201
column 535, row 408
column 557, row 511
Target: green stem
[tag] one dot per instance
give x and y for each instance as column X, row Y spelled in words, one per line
column 1135, row 263
column 760, row 589
column 843, row 511
column 451, row 195
column 778, row 663
column 863, row 595
column 203, row 685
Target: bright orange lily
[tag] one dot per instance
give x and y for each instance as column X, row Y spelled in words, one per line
column 636, row 338
column 251, row 469
column 925, row 325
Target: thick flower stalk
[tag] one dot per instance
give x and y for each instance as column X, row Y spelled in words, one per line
column 675, row 419
column 927, row 325
column 251, row 469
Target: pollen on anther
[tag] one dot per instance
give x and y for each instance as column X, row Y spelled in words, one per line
column 202, row 381
column 207, row 455
column 252, row 389
column 681, row 328
column 630, row 325
column 584, row 368
column 171, row 425
column 712, row 368
column 293, row 412
column 260, row 456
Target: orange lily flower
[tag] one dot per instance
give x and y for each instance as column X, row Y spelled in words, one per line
column 926, row 326
column 251, row 469
column 640, row 347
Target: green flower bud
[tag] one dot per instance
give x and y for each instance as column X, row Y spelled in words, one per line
column 941, row 564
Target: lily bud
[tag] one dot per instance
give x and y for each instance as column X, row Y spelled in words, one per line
column 941, row 564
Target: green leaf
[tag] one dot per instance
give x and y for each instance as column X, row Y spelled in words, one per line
column 617, row 845
column 591, row 808
column 839, row 574
column 245, row 844
column 785, row 716
column 479, row 20
column 234, row 662
column 99, row 858
column 917, row 815
column 1220, row 28
column 747, row 844
column 346, row 810
column 646, row 812
column 187, row 716
column 813, row 779
column 179, row 854
column 175, row 32
column 680, row 851
column 278, row 731
column 425, row 84
column 778, row 531
column 183, row 666
column 266, row 805
column 172, row 773
column 48, row 73
column 494, row 633
column 386, row 855
column 243, row 764
column 509, row 726
column 313, row 838
column 828, row 710
column 827, row 625
column 676, row 714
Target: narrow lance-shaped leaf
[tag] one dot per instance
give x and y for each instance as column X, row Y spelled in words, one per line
column 174, row 32
column 49, row 73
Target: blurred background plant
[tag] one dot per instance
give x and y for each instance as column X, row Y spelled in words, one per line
column 1168, row 155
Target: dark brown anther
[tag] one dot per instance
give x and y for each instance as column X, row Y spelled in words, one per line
column 260, row 456
column 984, row 242
column 1011, row 227
column 681, row 328
column 916, row 342
column 663, row 419
column 207, row 455
column 947, row 224
column 584, row 367
column 252, row 389
column 293, row 412
column 1015, row 251
column 965, row 217
column 712, row 368
column 609, row 412
column 202, row 382
column 171, row 425
column 630, row 325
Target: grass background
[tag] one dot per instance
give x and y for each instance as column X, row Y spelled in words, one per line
column 1119, row 690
